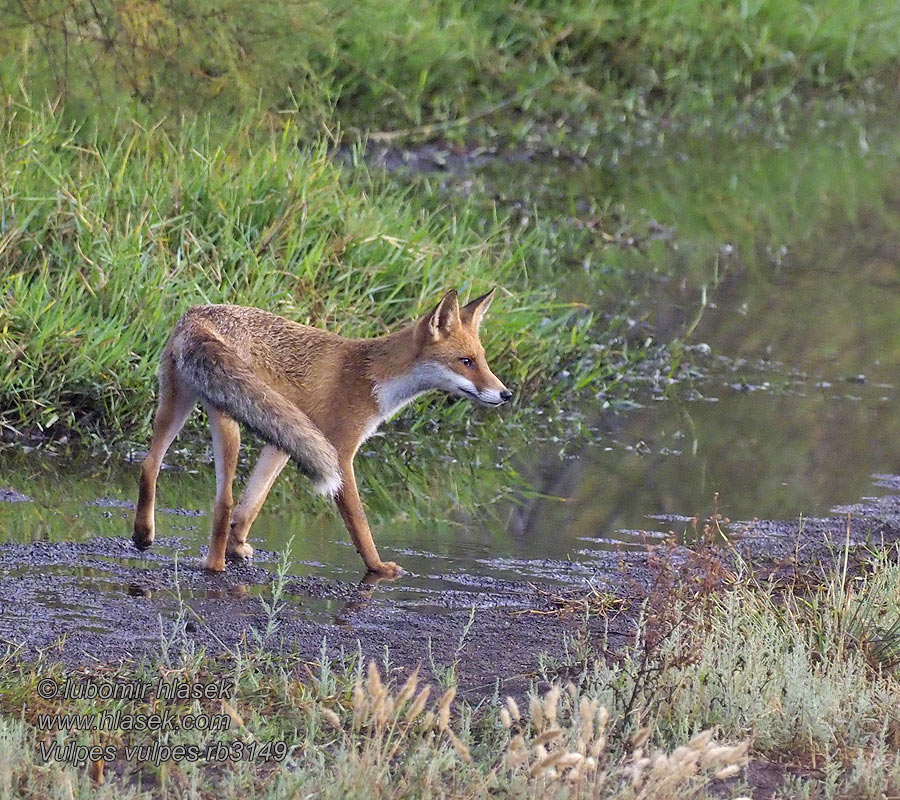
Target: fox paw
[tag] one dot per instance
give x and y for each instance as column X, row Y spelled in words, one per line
column 239, row 550
column 142, row 536
column 214, row 565
column 387, row 569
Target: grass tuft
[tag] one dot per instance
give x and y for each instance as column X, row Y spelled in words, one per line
column 753, row 673
column 104, row 242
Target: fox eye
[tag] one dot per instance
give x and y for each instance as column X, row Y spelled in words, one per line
column 467, row 362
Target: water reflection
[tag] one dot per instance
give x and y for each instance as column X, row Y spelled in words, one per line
column 784, row 263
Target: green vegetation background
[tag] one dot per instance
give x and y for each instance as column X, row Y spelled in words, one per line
column 389, row 65
column 156, row 154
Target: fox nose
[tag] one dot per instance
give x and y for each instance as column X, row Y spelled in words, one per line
column 505, row 395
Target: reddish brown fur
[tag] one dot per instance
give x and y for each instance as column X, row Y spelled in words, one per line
column 311, row 393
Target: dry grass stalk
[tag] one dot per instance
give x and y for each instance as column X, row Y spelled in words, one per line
column 567, row 747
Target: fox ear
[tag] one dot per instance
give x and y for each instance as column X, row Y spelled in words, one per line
column 472, row 313
column 445, row 316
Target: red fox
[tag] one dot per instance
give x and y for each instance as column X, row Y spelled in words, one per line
column 311, row 395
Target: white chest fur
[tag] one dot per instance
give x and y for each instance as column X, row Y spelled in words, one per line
column 393, row 393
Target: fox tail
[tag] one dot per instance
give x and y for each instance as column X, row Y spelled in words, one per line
column 222, row 378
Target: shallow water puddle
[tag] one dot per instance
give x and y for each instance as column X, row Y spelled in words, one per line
column 782, row 273
column 778, row 265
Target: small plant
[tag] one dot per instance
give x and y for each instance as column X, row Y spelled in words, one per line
column 273, row 607
column 579, row 754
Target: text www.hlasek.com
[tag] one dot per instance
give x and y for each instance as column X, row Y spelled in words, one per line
column 157, row 752
column 122, row 721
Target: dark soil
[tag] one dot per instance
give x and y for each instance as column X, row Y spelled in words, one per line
column 101, row 602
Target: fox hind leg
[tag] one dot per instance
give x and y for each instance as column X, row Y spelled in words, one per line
column 226, row 437
column 271, row 462
column 176, row 402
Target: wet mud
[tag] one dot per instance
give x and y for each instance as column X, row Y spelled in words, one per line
column 442, row 156
column 785, row 402
column 100, row 601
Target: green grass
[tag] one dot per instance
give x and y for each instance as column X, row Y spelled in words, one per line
column 158, row 154
column 397, row 66
column 353, row 736
column 104, row 242
column 805, row 668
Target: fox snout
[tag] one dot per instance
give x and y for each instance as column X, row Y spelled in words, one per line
column 488, row 396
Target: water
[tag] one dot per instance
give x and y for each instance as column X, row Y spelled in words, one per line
column 783, row 262
column 777, row 264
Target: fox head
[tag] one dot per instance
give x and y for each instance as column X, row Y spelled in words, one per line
column 451, row 352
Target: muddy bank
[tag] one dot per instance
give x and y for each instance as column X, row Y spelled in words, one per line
column 102, row 602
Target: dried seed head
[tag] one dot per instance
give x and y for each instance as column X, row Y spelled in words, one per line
column 374, row 684
column 359, row 699
column 418, row 704
column 727, row 772
column 536, row 713
column 331, row 718
column 547, row 763
column 570, row 760
column 588, row 711
column 640, row 737
column 682, row 753
column 547, row 736
column 444, row 707
column 505, row 718
column 716, row 754
column 660, row 764
column 236, row 718
column 513, row 709
column 637, row 768
column 602, row 717
column 460, row 746
column 551, row 701
column 409, row 688
column 701, row 740
column 377, row 711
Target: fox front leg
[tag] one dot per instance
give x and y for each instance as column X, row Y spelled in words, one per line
column 351, row 509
